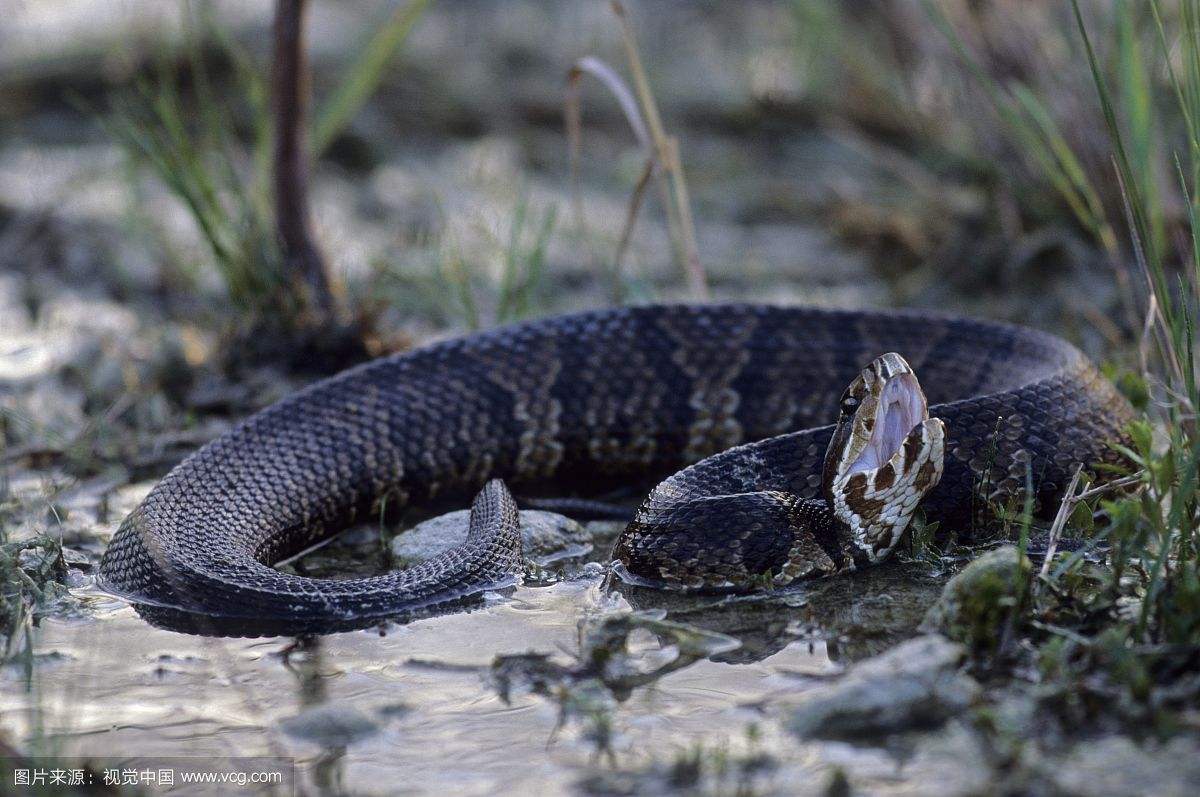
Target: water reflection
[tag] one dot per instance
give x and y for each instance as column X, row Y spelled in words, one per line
column 852, row 616
column 303, row 658
column 358, row 707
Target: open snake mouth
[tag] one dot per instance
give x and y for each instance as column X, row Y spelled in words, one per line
column 886, row 454
column 899, row 408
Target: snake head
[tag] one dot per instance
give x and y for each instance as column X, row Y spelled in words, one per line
column 885, row 455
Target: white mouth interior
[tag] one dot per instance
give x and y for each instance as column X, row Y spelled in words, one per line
column 901, row 409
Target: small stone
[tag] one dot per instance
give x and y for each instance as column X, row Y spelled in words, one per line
column 604, row 533
column 914, row 685
column 545, row 536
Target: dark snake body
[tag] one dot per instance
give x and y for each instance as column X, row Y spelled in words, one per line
column 582, row 402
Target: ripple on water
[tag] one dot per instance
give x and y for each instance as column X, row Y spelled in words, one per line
column 360, row 708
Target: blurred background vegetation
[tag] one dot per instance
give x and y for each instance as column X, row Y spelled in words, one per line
column 874, row 152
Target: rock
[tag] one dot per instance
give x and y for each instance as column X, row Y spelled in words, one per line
column 329, row 726
column 1116, row 765
column 546, row 536
column 604, row 533
column 978, row 601
column 951, row 762
column 914, row 685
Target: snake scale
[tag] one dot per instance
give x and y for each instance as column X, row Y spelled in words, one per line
column 741, row 397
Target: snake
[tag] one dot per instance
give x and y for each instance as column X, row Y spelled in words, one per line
column 784, row 443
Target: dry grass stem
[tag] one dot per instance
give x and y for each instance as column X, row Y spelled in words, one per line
column 667, row 148
column 1060, row 521
column 662, row 152
column 629, row 106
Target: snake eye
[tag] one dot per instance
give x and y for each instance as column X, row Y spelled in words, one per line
column 849, row 404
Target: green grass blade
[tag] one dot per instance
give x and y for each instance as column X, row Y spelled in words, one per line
column 1135, row 95
column 1135, row 204
column 364, row 75
column 1185, row 107
column 536, row 263
column 509, row 278
column 1035, row 134
column 1090, row 211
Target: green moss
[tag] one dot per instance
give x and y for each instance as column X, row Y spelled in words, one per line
column 977, row 605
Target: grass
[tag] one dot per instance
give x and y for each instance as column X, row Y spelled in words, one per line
column 32, row 579
column 1037, row 134
column 1110, row 626
column 191, row 145
column 1153, row 534
column 33, row 572
column 190, row 140
column 523, row 270
column 180, row 127
column 364, row 74
column 1096, row 125
column 33, row 576
column 503, row 280
column 993, row 104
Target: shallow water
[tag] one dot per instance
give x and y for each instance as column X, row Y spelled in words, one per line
column 410, row 708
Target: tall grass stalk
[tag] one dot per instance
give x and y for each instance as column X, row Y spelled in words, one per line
column 663, row 161
column 191, row 147
column 1036, row 133
column 364, row 74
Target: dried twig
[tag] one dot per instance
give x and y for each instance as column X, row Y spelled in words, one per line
column 1115, row 484
column 1166, row 345
column 613, row 82
column 1060, row 521
column 1070, row 500
column 635, row 204
column 667, row 149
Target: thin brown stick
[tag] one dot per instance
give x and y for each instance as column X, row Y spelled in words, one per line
column 289, row 79
column 697, row 277
column 1060, row 521
column 1070, row 500
column 1108, row 487
column 1166, row 346
column 572, row 118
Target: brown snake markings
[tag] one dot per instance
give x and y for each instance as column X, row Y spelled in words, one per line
column 633, row 408
column 711, row 365
column 535, row 412
column 627, row 393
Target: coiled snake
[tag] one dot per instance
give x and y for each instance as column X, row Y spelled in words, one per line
column 582, row 402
